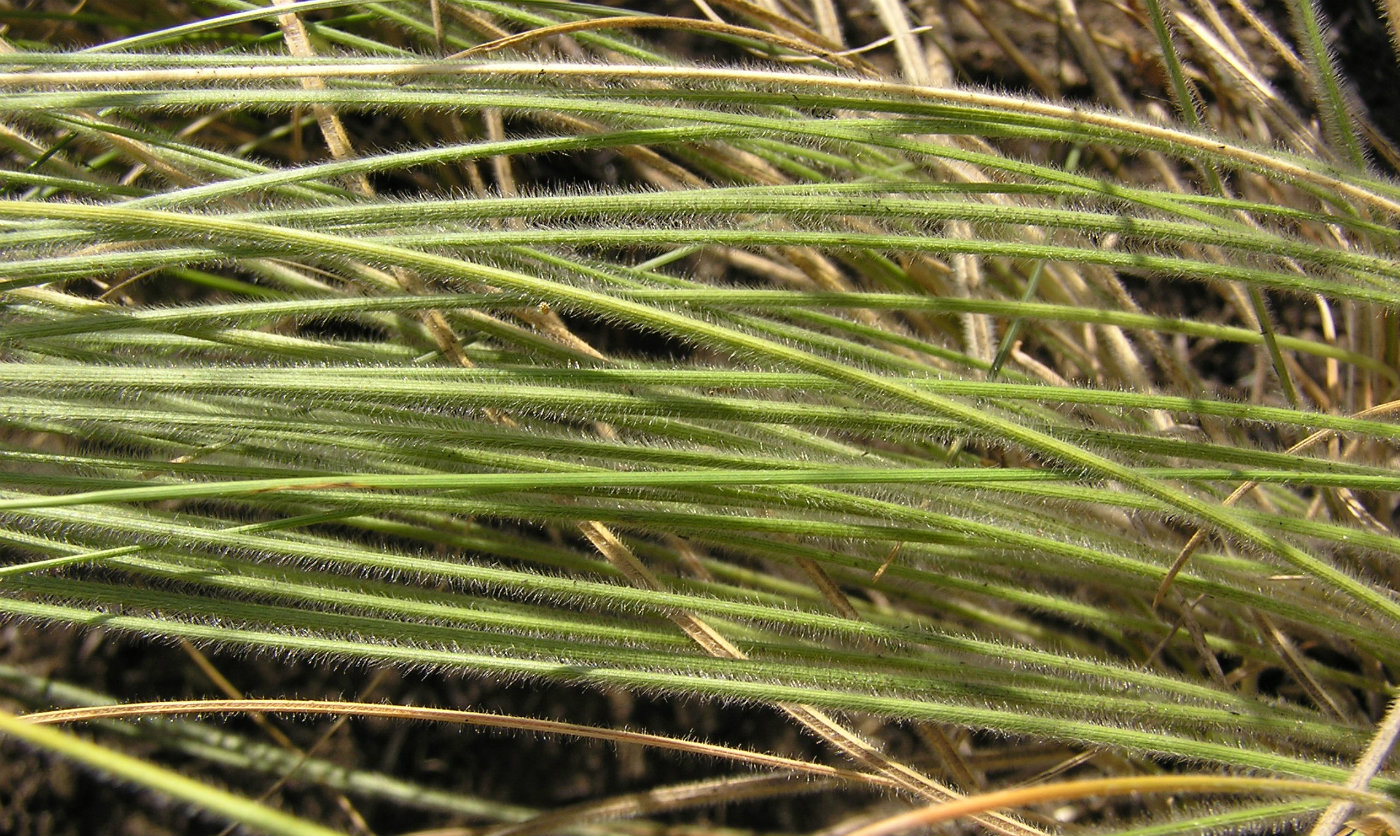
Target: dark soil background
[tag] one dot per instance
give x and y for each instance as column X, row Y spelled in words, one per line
column 1364, row 52
column 50, row 796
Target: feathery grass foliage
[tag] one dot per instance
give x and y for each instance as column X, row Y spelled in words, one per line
column 547, row 341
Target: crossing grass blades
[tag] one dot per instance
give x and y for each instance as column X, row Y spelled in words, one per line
column 993, row 402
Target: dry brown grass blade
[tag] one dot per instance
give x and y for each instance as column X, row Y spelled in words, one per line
column 1028, row 68
column 332, row 129
column 1105, row 83
column 341, row 148
column 1366, row 768
column 439, row 32
column 347, row 807
column 1114, row 787
column 451, row 716
column 913, row 63
column 828, row 21
column 828, row 588
column 622, row 559
column 1244, row 80
column 784, row 23
column 1292, row 661
column 1388, row 408
column 656, row 22
column 724, row 790
column 232, row 692
column 939, row 741
column 850, row 744
column 929, row 733
column 316, row 746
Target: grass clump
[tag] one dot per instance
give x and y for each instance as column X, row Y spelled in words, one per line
column 744, row 373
